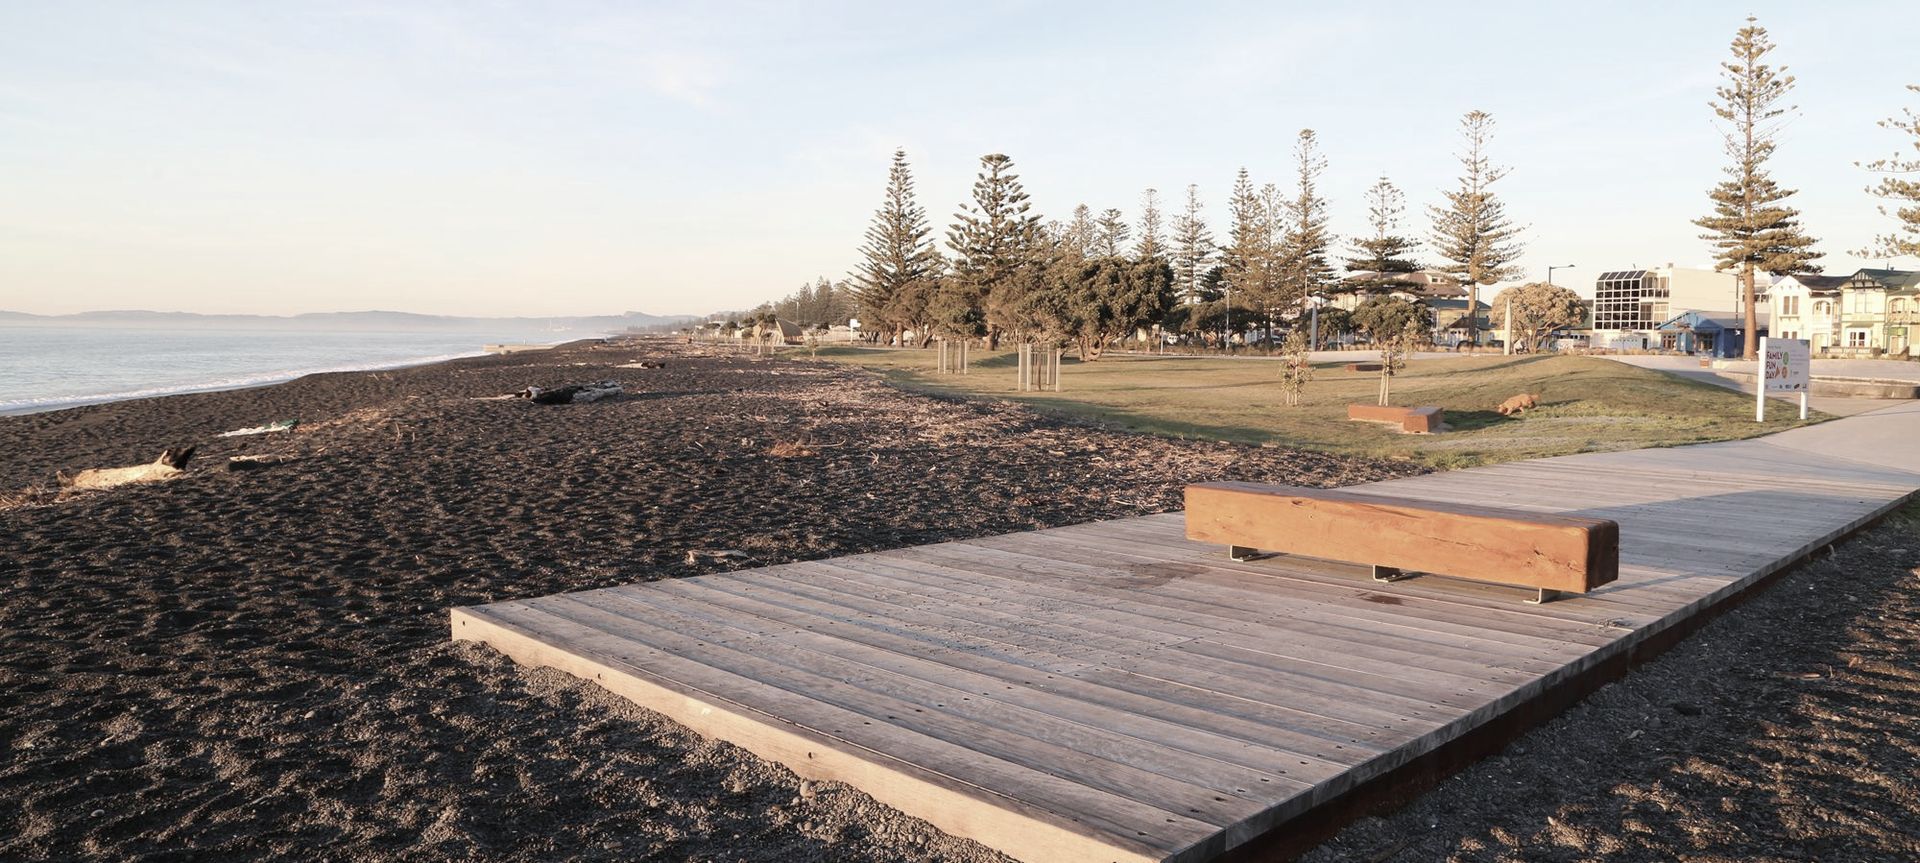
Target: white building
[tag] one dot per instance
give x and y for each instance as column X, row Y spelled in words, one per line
column 1630, row 305
column 1806, row 307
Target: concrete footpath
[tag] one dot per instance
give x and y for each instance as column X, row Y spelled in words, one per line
column 1742, row 371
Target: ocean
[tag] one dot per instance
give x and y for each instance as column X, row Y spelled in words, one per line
column 49, row 367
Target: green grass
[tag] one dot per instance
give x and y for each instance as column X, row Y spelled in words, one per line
column 1587, row 404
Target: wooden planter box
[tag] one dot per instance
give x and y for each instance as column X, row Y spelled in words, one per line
column 1413, row 420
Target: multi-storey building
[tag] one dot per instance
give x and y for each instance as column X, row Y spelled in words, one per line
column 1629, row 306
column 1804, row 306
column 1873, row 312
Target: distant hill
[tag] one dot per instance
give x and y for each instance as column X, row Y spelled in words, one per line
column 585, row 325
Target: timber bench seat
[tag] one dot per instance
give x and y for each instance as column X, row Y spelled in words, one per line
column 1548, row 553
column 1416, row 420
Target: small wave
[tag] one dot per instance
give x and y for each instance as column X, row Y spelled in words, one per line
column 50, row 403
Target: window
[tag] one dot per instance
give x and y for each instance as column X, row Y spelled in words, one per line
column 1626, row 300
column 1856, row 338
column 1790, row 305
column 1823, row 309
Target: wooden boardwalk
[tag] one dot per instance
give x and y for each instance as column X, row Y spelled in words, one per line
column 1111, row 691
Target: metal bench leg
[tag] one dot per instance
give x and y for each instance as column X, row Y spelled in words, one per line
column 1241, row 552
column 1388, row 573
column 1544, row 595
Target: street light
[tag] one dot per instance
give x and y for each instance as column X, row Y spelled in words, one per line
column 1557, row 267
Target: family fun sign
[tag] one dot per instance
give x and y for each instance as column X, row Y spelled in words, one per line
column 1785, row 367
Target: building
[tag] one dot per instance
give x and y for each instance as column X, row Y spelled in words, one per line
column 1630, row 306
column 1706, row 333
column 780, row 331
column 1877, row 311
column 1803, row 307
column 1438, row 291
column 1450, row 320
column 1870, row 313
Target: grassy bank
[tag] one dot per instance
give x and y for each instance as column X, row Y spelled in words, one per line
column 1588, row 404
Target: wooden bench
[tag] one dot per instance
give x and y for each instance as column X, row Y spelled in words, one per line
column 1551, row 554
column 1363, row 367
column 1417, row 420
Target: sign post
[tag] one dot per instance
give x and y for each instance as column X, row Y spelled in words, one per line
column 1785, row 367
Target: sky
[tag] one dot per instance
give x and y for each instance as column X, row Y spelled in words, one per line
column 564, row 158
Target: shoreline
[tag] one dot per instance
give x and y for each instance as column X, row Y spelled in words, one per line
column 243, row 382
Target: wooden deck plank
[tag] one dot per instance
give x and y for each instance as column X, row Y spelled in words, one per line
column 1238, row 739
column 1112, row 691
column 984, row 805
column 1096, row 758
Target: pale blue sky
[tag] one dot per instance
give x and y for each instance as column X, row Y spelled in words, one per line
column 563, row 158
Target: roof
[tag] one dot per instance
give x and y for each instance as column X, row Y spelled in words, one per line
column 1420, row 283
column 1814, row 283
column 1889, row 279
column 1703, row 321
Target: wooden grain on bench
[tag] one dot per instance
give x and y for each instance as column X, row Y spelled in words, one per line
column 1508, row 546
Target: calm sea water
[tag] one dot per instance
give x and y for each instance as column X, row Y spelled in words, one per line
column 43, row 367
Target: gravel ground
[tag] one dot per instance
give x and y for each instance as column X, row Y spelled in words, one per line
column 1787, row 729
column 255, row 665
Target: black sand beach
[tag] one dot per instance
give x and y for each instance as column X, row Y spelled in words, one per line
column 255, row 665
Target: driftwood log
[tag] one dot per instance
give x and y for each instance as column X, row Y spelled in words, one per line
column 171, row 464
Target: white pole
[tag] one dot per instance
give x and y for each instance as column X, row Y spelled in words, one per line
column 1760, row 381
column 1506, row 338
column 1803, row 402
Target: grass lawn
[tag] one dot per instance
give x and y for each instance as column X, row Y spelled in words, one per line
column 1587, row 404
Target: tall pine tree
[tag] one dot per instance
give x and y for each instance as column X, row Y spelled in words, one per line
column 1472, row 233
column 1153, row 242
column 1750, row 230
column 1905, row 239
column 1192, row 250
column 1305, row 239
column 995, row 242
column 1270, row 279
column 1381, row 261
column 1244, row 260
column 899, row 256
column 1110, row 235
column 1079, row 236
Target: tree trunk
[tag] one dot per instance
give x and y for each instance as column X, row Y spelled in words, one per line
column 1753, row 334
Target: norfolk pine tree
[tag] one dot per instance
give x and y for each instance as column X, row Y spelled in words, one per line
column 994, row 242
column 1905, row 239
column 1192, row 250
column 1245, row 257
column 899, row 255
column 1152, row 242
column 1271, row 285
column 1749, row 228
column 1472, row 233
column 1381, row 261
column 1110, row 235
column 1079, row 236
column 1305, row 239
